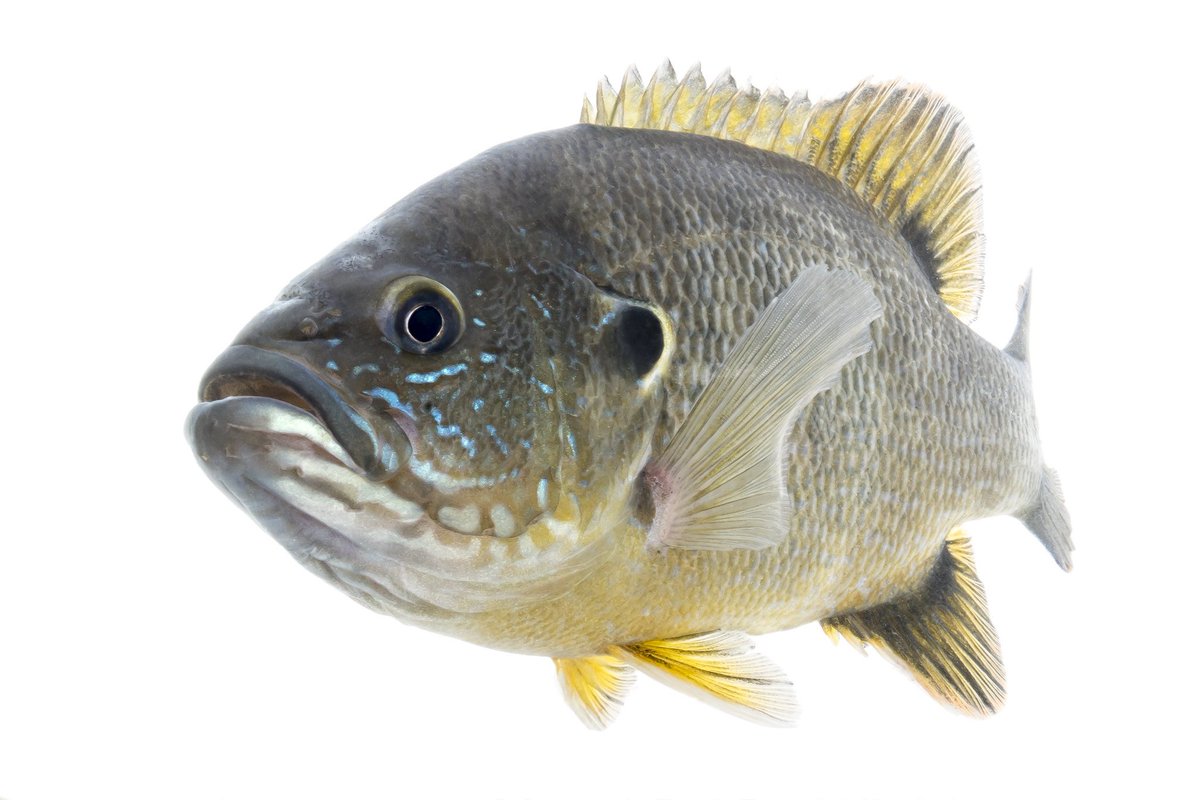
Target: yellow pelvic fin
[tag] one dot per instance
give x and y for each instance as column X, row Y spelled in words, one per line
column 941, row 634
column 595, row 687
column 901, row 148
column 720, row 667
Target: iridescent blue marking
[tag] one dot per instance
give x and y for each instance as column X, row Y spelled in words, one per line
column 477, row 404
column 500, row 443
column 431, row 377
column 571, row 443
column 479, row 292
column 545, row 387
column 526, row 444
column 479, row 322
column 334, row 342
column 487, row 358
column 545, row 311
column 392, row 399
column 361, row 368
column 331, row 365
column 607, row 318
column 452, row 430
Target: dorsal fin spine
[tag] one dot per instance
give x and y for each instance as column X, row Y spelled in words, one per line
column 861, row 162
column 900, row 148
column 907, row 103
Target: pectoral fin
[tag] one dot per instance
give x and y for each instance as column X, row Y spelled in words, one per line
column 595, row 687
column 941, row 634
column 720, row 483
column 720, row 667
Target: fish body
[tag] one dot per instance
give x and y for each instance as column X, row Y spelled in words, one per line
column 620, row 396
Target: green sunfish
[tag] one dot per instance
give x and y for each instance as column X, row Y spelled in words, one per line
column 625, row 393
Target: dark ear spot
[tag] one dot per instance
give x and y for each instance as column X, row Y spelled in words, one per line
column 640, row 335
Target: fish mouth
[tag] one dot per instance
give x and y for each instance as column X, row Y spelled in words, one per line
column 248, row 371
column 323, row 481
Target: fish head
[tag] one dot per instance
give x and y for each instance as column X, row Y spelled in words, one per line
column 437, row 436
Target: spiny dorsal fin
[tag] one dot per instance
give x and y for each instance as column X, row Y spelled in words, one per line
column 901, row 148
column 726, row 670
column 595, row 687
column 941, row 634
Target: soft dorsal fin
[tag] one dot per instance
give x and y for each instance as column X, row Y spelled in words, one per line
column 941, row 634
column 901, row 148
column 595, row 686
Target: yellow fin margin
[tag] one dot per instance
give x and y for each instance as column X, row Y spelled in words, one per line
column 901, row 148
column 595, row 687
column 941, row 634
column 723, row 668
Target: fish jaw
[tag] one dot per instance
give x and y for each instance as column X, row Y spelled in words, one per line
column 280, row 465
column 286, row 469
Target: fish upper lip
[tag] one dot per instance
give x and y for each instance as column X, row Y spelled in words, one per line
column 245, row 370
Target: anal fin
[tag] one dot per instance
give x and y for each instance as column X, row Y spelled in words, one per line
column 595, row 687
column 720, row 667
column 941, row 634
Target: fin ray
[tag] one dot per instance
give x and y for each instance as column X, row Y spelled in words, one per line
column 595, row 686
column 727, row 671
column 720, row 483
column 942, row 634
column 900, row 147
column 1049, row 520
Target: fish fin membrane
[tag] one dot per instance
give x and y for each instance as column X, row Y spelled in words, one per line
column 941, row 634
column 595, row 686
column 1047, row 518
column 721, row 668
column 1049, row 521
column 720, row 484
column 1018, row 345
column 900, row 147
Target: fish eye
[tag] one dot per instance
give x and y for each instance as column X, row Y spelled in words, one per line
column 421, row 315
column 424, row 323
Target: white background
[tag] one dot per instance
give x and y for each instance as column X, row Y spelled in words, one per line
column 167, row 170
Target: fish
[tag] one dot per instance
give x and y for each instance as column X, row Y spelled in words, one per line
column 627, row 393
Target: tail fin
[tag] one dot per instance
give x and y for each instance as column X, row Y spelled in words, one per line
column 1018, row 346
column 1047, row 518
column 1049, row 521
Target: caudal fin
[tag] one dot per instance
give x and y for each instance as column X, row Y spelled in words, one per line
column 1018, row 346
column 1049, row 521
column 1047, row 517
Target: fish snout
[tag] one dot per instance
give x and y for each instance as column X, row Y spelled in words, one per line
column 379, row 448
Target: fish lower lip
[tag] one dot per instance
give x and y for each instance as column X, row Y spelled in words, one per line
column 244, row 370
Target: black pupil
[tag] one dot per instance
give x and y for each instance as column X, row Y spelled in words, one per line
column 424, row 323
